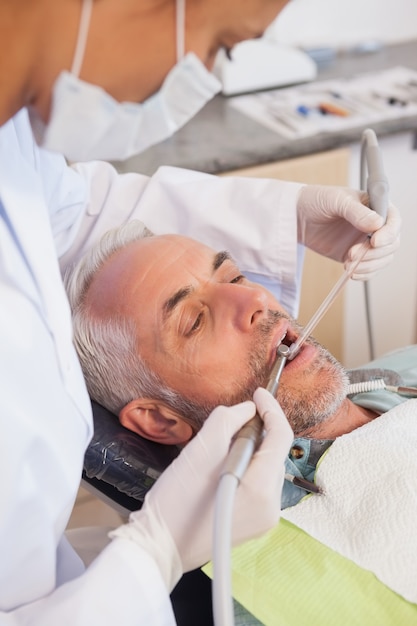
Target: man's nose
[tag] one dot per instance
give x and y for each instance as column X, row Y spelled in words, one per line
column 241, row 305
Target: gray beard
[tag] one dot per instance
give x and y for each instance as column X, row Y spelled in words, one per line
column 307, row 410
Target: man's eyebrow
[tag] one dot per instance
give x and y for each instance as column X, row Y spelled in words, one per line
column 170, row 304
column 220, row 258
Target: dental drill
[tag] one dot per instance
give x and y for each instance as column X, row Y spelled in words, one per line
column 241, row 451
column 249, row 436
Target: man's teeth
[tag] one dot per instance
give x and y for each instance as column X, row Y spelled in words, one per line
column 286, row 341
column 282, row 339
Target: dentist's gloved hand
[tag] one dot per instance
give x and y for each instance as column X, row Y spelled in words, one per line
column 175, row 524
column 333, row 221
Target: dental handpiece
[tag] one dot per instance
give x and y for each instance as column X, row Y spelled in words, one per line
column 378, row 193
column 248, row 438
column 243, row 446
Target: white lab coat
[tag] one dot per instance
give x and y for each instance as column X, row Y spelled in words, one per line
column 45, row 413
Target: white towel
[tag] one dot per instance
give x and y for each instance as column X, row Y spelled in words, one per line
column 368, row 512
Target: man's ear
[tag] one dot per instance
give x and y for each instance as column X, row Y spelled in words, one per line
column 153, row 420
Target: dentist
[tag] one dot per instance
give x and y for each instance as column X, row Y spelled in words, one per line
column 103, row 79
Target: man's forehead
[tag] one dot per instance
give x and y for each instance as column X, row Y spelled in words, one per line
column 170, row 242
column 159, row 260
column 142, row 253
column 174, row 248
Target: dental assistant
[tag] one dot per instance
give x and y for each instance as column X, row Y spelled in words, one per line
column 68, row 67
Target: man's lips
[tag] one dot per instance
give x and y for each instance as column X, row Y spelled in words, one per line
column 303, row 357
column 285, row 334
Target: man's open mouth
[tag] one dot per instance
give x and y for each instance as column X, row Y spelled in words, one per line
column 286, row 338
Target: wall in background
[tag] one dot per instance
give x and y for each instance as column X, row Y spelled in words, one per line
column 393, row 291
column 345, row 23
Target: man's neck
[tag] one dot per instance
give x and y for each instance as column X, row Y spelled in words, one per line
column 349, row 417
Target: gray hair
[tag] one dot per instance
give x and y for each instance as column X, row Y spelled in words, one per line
column 107, row 347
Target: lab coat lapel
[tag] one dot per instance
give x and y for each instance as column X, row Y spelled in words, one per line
column 23, row 201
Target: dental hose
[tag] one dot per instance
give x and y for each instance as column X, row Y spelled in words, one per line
column 241, row 451
column 376, row 184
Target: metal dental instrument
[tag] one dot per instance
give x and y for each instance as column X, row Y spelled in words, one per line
column 250, row 435
column 245, row 443
column 377, row 188
column 303, row 483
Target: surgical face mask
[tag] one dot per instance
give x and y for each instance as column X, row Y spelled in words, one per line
column 86, row 123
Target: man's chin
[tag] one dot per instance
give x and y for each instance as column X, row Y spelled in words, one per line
column 307, row 407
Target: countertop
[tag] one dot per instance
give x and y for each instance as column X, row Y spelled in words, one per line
column 221, row 139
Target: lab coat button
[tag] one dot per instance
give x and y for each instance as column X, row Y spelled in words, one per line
column 297, row 452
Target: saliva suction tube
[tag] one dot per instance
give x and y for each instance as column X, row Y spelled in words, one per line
column 378, row 193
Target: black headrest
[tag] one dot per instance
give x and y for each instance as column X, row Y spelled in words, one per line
column 122, row 459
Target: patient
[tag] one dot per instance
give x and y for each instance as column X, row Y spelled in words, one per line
column 167, row 329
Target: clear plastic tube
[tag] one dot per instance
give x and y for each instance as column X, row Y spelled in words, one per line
column 378, row 192
column 328, row 301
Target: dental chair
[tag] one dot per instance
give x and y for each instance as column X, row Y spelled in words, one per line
column 119, row 468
